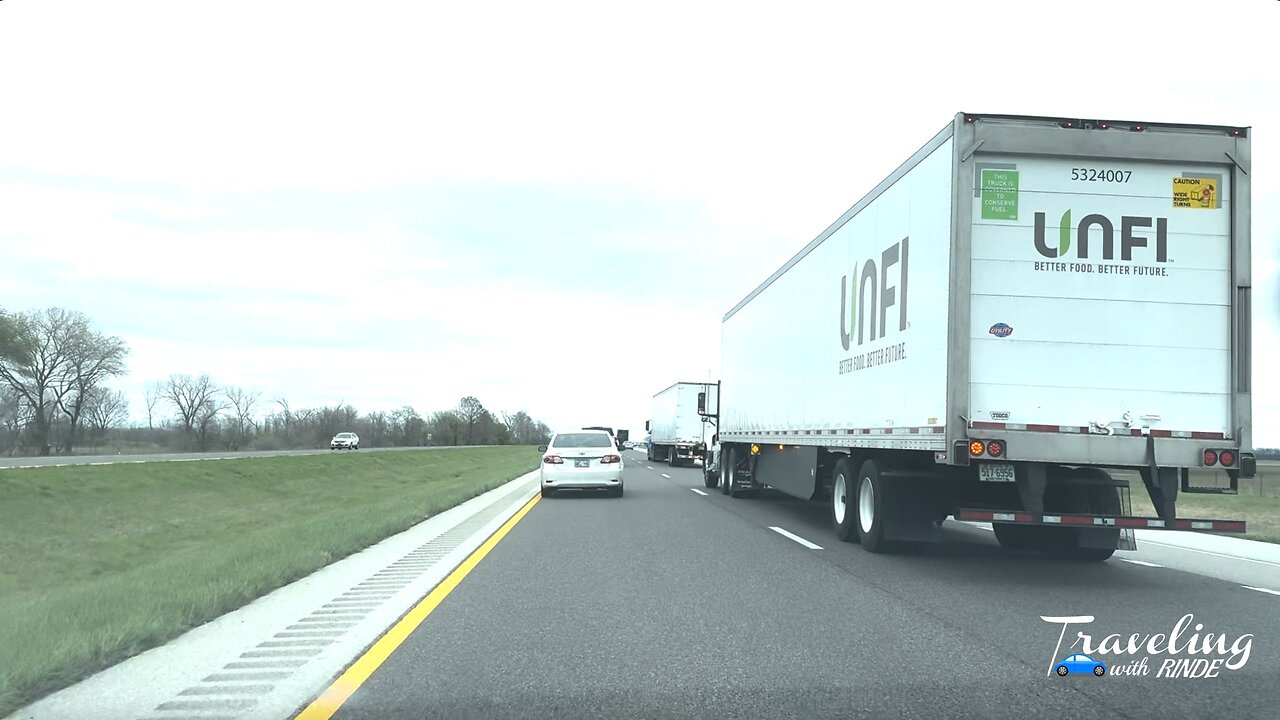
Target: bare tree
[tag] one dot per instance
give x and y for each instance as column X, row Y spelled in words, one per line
column 541, row 433
column 36, row 349
column 154, row 394
column 242, row 404
column 377, row 429
column 13, row 418
column 331, row 421
column 286, row 418
column 473, row 414
column 192, row 398
column 207, row 420
column 106, row 409
column 447, row 427
column 93, row 357
column 522, row 428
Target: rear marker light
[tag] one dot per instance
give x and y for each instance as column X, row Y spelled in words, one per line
column 995, row 448
column 1210, row 457
column 976, row 447
column 1227, row 458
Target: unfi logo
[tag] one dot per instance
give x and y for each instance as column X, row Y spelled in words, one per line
column 1129, row 237
column 878, row 285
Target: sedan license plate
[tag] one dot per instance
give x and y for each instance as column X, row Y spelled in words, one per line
column 582, row 463
column 996, row 472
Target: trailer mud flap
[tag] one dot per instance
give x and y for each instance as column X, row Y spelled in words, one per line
column 1031, row 485
column 1161, row 483
column 910, row 515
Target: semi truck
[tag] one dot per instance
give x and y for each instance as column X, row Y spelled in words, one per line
column 1025, row 312
column 619, row 438
column 677, row 432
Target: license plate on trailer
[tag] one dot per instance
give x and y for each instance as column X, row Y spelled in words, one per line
column 582, row 463
column 991, row 472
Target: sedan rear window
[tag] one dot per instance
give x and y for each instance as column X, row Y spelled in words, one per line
column 588, row 440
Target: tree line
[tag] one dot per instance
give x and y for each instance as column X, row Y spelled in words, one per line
column 55, row 370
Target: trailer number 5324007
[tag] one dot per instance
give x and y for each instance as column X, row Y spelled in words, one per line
column 995, row 472
column 1096, row 175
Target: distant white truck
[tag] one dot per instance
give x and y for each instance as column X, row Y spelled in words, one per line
column 677, row 432
column 1026, row 304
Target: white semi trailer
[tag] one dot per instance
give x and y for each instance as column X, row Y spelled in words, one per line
column 677, row 432
column 1026, row 304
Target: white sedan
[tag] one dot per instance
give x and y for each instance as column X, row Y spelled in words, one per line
column 345, row 440
column 581, row 460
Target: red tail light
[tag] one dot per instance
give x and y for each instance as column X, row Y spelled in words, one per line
column 553, row 459
column 995, row 448
column 1210, row 457
column 611, row 459
column 1227, row 458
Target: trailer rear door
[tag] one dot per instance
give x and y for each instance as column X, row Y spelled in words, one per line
column 1101, row 290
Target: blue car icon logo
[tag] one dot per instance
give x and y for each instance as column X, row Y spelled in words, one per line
column 1080, row 665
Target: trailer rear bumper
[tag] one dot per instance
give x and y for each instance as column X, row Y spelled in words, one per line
column 1019, row 517
column 1122, row 449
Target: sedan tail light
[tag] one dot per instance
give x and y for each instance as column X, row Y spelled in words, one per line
column 611, row 459
column 553, row 459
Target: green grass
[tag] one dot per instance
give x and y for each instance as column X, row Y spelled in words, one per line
column 98, row 563
column 1258, row 503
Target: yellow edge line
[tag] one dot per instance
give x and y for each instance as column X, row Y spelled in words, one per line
column 329, row 701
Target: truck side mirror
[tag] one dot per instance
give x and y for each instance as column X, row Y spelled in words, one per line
column 702, row 402
column 646, row 426
column 624, row 435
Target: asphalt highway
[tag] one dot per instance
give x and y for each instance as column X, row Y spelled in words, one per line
column 676, row 601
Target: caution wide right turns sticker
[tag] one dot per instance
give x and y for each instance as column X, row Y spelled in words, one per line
column 1192, row 192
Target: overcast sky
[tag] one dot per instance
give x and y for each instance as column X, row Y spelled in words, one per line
column 548, row 205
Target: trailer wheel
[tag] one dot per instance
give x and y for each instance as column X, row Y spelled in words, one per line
column 844, row 513
column 727, row 469
column 870, row 505
column 671, row 456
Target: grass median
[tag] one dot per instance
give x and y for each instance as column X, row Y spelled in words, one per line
column 98, row 563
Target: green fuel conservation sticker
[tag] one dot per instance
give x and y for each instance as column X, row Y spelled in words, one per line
column 999, row 194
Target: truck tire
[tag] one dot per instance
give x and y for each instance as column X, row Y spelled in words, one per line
column 727, row 467
column 671, row 456
column 870, row 505
column 710, row 479
column 844, row 514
